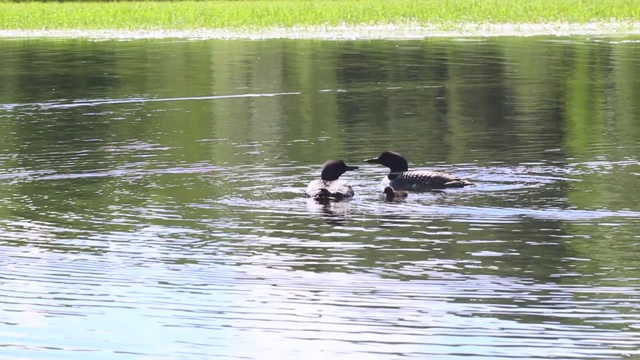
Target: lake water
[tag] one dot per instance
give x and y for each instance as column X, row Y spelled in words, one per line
column 152, row 199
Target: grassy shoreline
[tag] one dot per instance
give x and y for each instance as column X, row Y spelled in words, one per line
column 317, row 19
column 180, row 15
column 346, row 32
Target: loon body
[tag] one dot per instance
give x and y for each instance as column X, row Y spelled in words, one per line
column 400, row 178
column 329, row 186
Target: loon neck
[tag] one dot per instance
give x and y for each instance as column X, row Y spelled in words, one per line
column 398, row 165
column 394, row 174
column 398, row 169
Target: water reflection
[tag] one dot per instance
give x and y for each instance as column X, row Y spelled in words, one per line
column 152, row 199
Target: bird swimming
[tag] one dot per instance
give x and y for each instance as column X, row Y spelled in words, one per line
column 329, row 186
column 400, row 178
column 391, row 194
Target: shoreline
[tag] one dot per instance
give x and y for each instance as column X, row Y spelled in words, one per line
column 347, row 32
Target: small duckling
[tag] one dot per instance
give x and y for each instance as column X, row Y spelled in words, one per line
column 391, row 194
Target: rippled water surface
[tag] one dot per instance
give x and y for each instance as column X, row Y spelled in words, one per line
column 152, row 199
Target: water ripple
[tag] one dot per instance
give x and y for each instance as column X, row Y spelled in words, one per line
column 138, row 100
column 167, row 225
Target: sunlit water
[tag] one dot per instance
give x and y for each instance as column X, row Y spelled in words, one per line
column 152, row 199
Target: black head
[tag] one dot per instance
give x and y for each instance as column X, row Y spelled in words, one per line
column 332, row 169
column 392, row 160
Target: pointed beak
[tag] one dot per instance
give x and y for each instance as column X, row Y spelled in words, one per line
column 351, row 168
column 372, row 161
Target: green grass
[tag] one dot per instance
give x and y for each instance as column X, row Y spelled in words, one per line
column 286, row 13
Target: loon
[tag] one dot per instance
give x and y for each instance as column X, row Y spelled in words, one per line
column 391, row 194
column 329, row 187
column 400, row 178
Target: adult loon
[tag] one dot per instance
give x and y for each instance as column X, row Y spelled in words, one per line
column 400, row 178
column 329, row 186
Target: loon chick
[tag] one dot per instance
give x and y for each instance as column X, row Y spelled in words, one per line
column 400, row 178
column 329, row 187
column 391, row 194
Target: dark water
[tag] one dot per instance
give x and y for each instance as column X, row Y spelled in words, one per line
column 151, row 199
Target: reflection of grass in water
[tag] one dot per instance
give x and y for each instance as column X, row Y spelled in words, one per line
column 277, row 13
